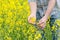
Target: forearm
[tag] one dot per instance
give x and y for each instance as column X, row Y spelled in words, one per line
column 33, row 7
column 50, row 7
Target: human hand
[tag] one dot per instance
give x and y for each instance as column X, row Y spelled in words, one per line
column 42, row 22
column 32, row 18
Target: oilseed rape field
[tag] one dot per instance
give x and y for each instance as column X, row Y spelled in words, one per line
column 14, row 24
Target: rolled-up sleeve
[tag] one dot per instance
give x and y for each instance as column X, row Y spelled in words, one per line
column 31, row 0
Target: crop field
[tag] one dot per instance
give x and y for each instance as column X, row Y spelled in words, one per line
column 14, row 24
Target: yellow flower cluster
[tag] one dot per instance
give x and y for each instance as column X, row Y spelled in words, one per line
column 33, row 20
column 14, row 24
column 13, row 21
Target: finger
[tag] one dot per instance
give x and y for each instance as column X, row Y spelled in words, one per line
column 42, row 25
column 41, row 21
column 28, row 18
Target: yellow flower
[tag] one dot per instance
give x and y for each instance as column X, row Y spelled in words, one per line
column 7, row 21
column 12, row 23
column 17, row 23
column 30, row 38
column 10, row 14
column 17, row 28
column 37, row 36
column 24, row 31
column 58, row 22
column 25, row 3
column 33, row 20
column 12, row 5
column 28, row 13
column 9, row 38
column 53, row 27
column 15, row 19
column 0, row 13
column 32, row 30
column 1, row 20
column 16, row 1
column 0, row 25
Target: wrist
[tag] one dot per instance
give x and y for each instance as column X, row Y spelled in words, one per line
column 33, row 13
column 46, row 16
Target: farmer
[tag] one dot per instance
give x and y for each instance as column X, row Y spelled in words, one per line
column 42, row 10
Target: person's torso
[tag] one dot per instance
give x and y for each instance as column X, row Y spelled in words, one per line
column 41, row 3
column 58, row 3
